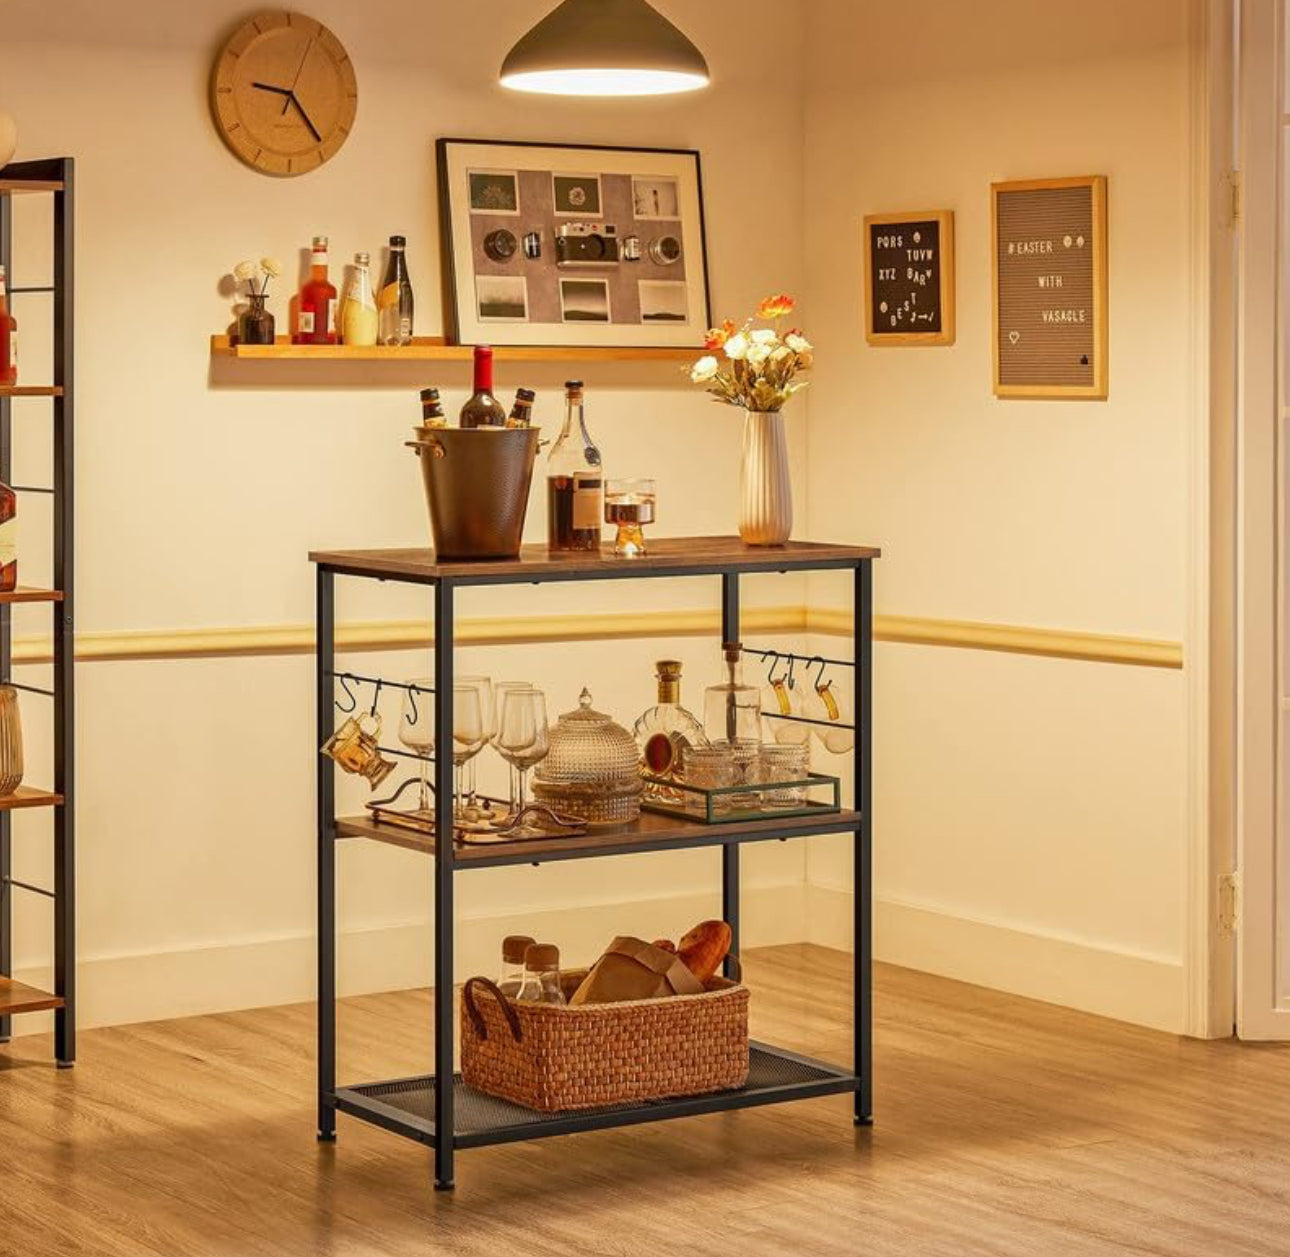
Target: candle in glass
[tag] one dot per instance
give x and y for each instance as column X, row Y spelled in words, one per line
column 629, row 504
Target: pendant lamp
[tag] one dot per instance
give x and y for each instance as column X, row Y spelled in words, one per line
column 604, row 48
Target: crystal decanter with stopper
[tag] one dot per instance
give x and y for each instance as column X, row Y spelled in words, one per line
column 667, row 730
column 732, row 718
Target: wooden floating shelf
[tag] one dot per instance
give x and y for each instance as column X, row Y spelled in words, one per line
column 29, row 593
column 433, row 349
column 28, row 796
column 15, row 997
column 30, row 390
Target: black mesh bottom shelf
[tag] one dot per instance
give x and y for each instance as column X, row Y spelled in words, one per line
column 406, row 1106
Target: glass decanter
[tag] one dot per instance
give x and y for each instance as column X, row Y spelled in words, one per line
column 732, row 710
column 667, row 730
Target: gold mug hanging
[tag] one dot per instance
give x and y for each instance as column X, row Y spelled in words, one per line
column 357, row 749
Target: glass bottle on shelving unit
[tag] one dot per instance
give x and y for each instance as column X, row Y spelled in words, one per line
column 8, row 338
column 514, row 949
column 667, row 730
column 542, row 975
column 575, row 480
column 316, row 318
column 732, row 710
column 482, row 409
column 395, row 302
column 8, row 539
column 359, row 321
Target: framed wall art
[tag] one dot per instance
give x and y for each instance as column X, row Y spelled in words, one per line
column 555, row 244
column 909, row 278
column 1049, row 276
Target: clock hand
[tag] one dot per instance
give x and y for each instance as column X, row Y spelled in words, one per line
column 300, row 69
column 268, row 87
column 313, row 130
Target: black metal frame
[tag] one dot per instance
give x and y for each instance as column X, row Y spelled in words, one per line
column 53, row 170
column 436, row 1127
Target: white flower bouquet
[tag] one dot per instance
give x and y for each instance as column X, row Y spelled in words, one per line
column 755, row 367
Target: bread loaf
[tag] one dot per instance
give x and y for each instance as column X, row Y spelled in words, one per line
column 704, row 948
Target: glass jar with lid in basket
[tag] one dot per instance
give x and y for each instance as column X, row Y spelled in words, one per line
column 592, row 768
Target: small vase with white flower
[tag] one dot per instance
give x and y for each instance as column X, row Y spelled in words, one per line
column 756, row 368
column 255, row 325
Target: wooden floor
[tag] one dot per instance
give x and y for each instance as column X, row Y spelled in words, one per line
column 1004, row 1127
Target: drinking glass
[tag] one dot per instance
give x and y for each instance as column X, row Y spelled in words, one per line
column 416, row 729
column 522, row 735
column 468, row 737
column 500, row 689
column 488, row 712
column 830, row 705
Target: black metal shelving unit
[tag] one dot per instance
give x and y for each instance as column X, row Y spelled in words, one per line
column 54, row 178
column 448, row 1118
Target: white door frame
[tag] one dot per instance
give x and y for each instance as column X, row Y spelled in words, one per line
column 1260, row 1011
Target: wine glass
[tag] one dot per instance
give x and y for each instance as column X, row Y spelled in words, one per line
column 488, row 713
column 783, row 695
column 830, row 706
column 416, row 729
column 500, row 689
column 522, row 735
column 468, row 737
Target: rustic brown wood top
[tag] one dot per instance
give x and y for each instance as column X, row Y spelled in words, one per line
column 667, row 556
column 29, row 796
column 648, row 833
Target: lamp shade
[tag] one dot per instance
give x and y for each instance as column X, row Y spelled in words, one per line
column 605, row 48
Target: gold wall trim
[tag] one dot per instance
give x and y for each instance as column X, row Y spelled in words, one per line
column 405, row 634
column 1014, row 639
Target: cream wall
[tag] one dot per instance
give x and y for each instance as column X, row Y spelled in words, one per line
column 1031, row 813
column 201, row 489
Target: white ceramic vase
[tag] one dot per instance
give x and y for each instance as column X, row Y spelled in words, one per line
column 765, row 490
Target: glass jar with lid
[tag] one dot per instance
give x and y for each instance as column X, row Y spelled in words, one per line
column 591, row 770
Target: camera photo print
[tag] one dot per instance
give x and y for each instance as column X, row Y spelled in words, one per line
column 552, row 245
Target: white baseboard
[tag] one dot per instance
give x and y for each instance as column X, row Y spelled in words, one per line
column 257, row 973
column 1146, row 990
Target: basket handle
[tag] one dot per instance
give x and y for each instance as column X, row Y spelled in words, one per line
column 477, row 1018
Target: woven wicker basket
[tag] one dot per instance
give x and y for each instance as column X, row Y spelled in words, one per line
column 553, row 1059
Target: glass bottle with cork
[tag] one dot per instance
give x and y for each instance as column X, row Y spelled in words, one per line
column 541, row 983
column 316, row 317
column 666, row 731
column 359, row 321
column 395, row 302
column 8, row 338
column 482, row 409
column 514, row 948
column 575, row 481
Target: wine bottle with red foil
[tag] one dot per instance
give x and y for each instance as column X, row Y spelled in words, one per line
column 483, row 410
column 8, row 539
column 316, row 321
column 8, row 338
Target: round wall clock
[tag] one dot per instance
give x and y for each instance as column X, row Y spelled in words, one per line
column 284, row 93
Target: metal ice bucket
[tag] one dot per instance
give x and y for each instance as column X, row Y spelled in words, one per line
column 477, row 484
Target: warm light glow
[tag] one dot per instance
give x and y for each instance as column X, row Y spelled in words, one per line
column 606, row 82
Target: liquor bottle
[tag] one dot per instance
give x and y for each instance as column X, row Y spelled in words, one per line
column 316, row 323
column 575, row 481
column 432, row 415
column 8, row 539
column 732, row 710
column 666, row 731
column 395, row 301
column 8, row 339
column 483, row 410
column 522, row 411
column 359, row 321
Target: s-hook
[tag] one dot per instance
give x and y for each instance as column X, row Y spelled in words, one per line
column 343, row 678
column 376, row 698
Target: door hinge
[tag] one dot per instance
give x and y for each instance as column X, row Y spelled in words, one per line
column 1236, row 190
column 1229, row 901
